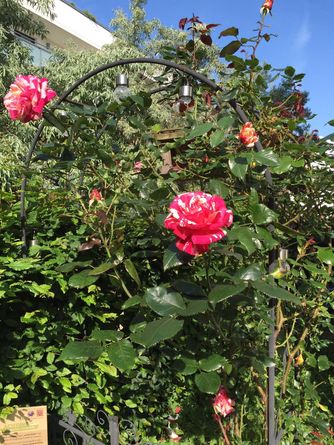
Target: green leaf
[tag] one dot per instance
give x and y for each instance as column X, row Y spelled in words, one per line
column 81, row 350
column 54, row 121
column 217, row 187
column 122, row 354
column 173, row 257
column 238, row 167
column 157, row 331
column 104, row 267
column 261, row 214
column 250, row 273
column 82, row 279
column 37, row 374
column 232, row 31
column 134, row 301
column 331, row 122
column 186, row 366
column 212, row 363
column 208, row 382
column 24, row 264
column 284, row 165
column 324, row 363
column 188, row 288
column 326, row 255
column 107, row 369
column 194, row 307
column 106, row 335
column 275, row 291
column 231, row 48
column 245, row 236
column 132, row 271
column 200, row 130
column 266, row 157
column 69, row 267
column 163, row 302
column 217, row 138
column 226, row 122
column 224, row 291
column 290, row 71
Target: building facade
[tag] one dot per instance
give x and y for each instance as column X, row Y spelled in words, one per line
column 68, row 26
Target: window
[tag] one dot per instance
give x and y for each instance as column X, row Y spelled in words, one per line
column 40, row 54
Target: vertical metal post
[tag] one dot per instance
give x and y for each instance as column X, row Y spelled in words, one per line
column 113, row 430
column 271, row 421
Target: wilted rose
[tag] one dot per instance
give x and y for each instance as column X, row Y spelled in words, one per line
column 247, row 135
column 198, row 219
column 95, row 195
column 222, row 404
column 267, row 6
column 27, row 97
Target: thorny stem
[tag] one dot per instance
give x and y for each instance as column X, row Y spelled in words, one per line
column 257, row 43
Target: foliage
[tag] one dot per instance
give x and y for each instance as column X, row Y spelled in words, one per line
column 106, row 311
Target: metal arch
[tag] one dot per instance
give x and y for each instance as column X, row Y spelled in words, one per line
column 200, row 77
column 271, row 427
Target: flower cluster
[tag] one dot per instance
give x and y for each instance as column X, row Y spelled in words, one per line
column 247, row 135
column 222, row 404
column 27, row 98
column 198, row 219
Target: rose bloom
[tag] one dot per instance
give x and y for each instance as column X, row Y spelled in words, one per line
column 267, row 6
column 27, row 97
column 222, row 404
column 138, row 166
column 198, row 219
column 247, row 135
column 95, row 195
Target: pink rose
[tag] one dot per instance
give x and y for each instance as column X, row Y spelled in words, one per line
column 137, row 166
column 222, row 404
column 198, row 219
column 27, row 97
column 95, row 195
column 247, row 135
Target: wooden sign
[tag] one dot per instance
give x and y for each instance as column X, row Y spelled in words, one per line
column 27, row 426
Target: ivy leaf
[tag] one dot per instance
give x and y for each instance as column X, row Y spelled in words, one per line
column 275, row 291
column 208, row 382
column 224, row 291
column 163, row 302
column 122, row 354
column 157, row 330
column 81, row 350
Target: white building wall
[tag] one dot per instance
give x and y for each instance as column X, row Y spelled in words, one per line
column 69, row 26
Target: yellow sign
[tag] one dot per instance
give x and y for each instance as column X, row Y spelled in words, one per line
column 27, row 426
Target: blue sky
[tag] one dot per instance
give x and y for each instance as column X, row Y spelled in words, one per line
column 304, row 28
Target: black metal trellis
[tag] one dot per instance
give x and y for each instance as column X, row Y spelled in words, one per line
column 273, row 437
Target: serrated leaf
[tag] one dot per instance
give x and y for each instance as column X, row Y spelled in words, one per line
column 81, row 350
column 217, row 187
column 250, row 273
column 163, row 302
column 275, row 291
column 238, row 167
column 245, row 236
column 226, row 122
column 82, row 279
column 208, row 382
column 224, row 291
column 200, row 130
column 212, row 363
column 157, row 331
column 106, row 335
column 122, row 354
column 266, row 157
column 262, row 214
column 174, row 257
